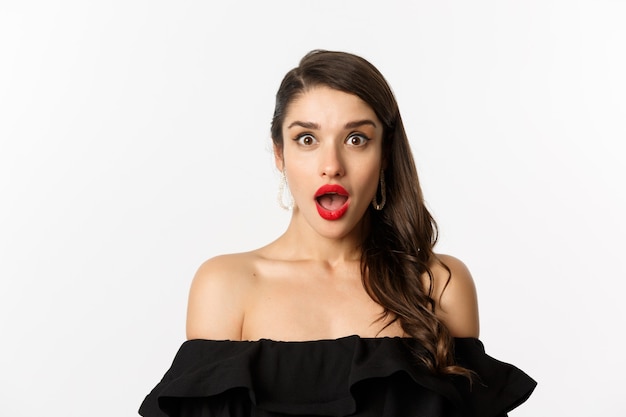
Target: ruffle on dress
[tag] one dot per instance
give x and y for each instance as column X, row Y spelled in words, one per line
column 350, row 376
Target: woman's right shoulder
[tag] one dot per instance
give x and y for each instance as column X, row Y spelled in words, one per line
column 217, row 297
column 227, row 265
column 224, row 273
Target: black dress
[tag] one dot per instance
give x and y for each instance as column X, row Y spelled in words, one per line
column 350, row 376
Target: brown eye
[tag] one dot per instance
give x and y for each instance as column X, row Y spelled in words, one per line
column 306, row 140
column 357, row 140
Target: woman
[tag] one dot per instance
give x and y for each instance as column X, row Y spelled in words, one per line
column 349, row 312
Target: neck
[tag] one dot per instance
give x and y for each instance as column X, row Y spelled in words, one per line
column 302, row 242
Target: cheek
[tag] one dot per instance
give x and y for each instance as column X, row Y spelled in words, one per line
column 369, row 181
column 291, row 157
column 301, row 166
column 373, row 184
column 297, row 175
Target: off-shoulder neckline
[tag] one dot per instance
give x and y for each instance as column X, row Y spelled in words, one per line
column 338, row 339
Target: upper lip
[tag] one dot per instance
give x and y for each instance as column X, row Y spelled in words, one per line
column 331, row 189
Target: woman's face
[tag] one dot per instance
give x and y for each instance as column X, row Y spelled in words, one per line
column 332, row 153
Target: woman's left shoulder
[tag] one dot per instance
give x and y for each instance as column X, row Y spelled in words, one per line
column 454, row 292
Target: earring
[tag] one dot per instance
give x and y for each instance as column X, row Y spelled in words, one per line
column 283, row 191
column 383, row 193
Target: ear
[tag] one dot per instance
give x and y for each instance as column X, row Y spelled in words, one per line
column 278, row 157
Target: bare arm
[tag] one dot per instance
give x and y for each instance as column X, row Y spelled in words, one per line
column 215, row 307
column 457, row 303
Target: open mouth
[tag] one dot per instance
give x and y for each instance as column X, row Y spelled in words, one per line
column 332, row 201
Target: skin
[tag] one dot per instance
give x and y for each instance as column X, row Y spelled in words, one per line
column 306, row 285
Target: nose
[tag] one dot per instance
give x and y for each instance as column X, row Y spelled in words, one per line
column 331, row 162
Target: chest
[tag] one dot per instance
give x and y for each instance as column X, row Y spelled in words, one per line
column 314, row 308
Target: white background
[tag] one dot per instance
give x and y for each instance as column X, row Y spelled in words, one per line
column 134, row 144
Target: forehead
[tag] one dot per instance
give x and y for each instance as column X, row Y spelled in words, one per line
column 328, row 107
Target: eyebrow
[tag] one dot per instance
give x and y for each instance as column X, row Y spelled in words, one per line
column 306, row 125
column 359, row 123
column 315, row 126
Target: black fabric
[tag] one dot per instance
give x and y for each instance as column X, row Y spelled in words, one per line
column 350, row 376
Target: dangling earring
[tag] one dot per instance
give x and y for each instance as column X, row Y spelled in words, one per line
column 283, row 191
column 383, row 193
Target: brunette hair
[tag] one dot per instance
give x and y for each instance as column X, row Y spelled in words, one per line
column 398, row 245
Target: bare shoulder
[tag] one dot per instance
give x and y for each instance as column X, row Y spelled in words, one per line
column 454, row 292
column 217, row 297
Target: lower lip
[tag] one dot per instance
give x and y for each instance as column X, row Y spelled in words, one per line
column 332, row 214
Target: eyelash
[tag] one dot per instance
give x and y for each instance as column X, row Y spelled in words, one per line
column 299, row 138
column 364, row 138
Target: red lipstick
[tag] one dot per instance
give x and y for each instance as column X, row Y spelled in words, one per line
column 332, row 201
